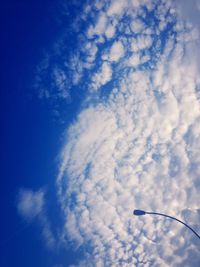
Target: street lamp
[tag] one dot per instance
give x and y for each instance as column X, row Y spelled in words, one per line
column 142, row 212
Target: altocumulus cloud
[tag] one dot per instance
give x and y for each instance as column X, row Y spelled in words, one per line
column 137, row 146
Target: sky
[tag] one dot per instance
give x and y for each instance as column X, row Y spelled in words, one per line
column 100, row 115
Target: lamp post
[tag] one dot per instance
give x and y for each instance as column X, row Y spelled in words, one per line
column 142, row 212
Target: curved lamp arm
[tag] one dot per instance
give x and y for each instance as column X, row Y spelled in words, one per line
column 142, row 212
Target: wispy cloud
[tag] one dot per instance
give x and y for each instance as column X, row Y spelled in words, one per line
column 31, row 206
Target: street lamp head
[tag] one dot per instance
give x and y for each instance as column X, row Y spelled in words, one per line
column 139, row 212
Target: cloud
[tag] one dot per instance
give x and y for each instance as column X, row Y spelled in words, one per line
column 116, row 51
column 190, row 14
column 110, row 31
column 99, row 28
column 103, row 76
column 117, row 8
column 189, row 10
column 137, row 146
column 142, row 42
column 31, row 206
column 134, row 60
column 131, row 152
column 137, row 26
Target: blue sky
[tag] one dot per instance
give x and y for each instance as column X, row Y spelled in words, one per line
column 100, row 115
column 30, row 136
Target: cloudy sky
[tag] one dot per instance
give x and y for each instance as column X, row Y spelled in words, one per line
column 101, row 115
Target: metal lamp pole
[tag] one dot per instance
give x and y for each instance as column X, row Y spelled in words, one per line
column 142, row 212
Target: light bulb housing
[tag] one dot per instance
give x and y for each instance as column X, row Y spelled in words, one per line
column 139, row 212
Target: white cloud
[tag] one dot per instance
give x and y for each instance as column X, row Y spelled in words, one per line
column 91, row 50
column 116, row 7
column 137, row 147
column 31, row 205
column 131, row 153
column 116, row 51
column 110, row 31
column 137, row 26
column 103, row 76
column 134, row 60
column 188, row 10
column 142, row 42
column 99, row 28
column 61, row 83
column 190, row 13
